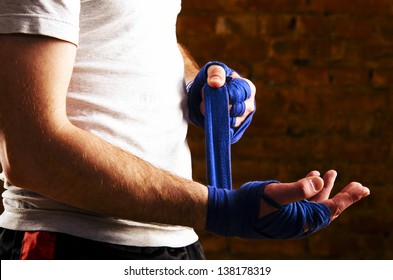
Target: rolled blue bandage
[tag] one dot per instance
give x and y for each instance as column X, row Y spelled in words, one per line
column 237, row 90
column 235, row 212
column 220, row 131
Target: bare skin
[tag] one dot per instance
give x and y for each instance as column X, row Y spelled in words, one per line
column 42, row 151
column 313, row 186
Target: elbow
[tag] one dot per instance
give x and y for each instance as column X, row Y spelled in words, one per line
column 14, row 171
column 18, row 164
column 31, row 160
column 8, row 174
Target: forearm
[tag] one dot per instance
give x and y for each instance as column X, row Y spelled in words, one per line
column 79, row 169
column 42, row 151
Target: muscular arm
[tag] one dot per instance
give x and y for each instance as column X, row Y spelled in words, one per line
column 312, row 187
column 42, row 151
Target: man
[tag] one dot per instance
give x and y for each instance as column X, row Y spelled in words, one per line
column 92, row 135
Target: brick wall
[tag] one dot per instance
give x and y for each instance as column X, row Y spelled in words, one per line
column 324, row 73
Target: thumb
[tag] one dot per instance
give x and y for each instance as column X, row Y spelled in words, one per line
column 216, row 76
column 287, row 193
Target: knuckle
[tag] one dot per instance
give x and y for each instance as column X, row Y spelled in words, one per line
column 250, row 108
column 337, row 212
column 304, row 188
column 335, row 209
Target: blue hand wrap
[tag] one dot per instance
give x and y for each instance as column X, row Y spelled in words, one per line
column 238, row 91
column 235, row 212
column 220, row 132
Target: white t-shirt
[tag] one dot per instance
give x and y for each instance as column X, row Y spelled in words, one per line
column 127, row 88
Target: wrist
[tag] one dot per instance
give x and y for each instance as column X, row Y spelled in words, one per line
column 236, row 213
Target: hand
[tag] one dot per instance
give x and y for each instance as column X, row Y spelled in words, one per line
column 216, row 78
column 315, row 189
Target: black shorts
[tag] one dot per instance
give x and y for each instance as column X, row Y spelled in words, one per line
column 41, row 245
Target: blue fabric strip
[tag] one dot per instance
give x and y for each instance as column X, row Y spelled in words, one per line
column 217, row 136
column 235, row 213
column 219, row 128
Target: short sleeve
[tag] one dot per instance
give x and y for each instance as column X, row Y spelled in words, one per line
column 53, row 18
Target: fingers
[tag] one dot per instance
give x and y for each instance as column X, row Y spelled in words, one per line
column 349, row 195
column 316, row 188
column 311, row 186
column 250, row 107
column 249, row 103
column 329, row 178
column 216, row 76
column 313, row 173
column 286, row 193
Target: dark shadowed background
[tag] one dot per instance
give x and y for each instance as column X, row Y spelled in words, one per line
column 324, row 73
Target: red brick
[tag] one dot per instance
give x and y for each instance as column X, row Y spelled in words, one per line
column 213, row 244
column 323, row 72
column 384, row 26
column 237, row 6
column 316, row 49
column 244, row 25
column 351, row 7
column 272, row 74
column 344, row 27
column 382, row 78
column 349, row 76
column 313, row 25
column 268, row 249
column 312, row 76
column 195, row 25
column 276, row 25
column 348, row 101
